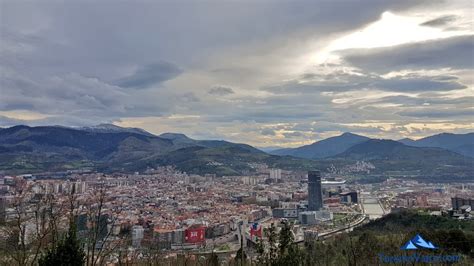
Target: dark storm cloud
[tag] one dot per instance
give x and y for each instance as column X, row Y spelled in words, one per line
column 73, row 98
column 440, row 21
column 455, row 52
column 88, row 62
column 357, row 82
column 149, row 75
column 221, row 91
column 140, row 33
column 54, row 93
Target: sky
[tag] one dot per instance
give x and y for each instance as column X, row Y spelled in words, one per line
column 266, row 73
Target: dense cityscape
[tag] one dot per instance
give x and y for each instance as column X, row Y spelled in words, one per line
column 236, row 133
column 176, row 213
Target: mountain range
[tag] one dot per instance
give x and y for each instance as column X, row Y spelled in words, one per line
column 111, row 148
column 459, row 143
column 26, row 149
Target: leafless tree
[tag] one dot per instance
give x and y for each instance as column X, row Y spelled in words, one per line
column 99, row 246
column 34, row 225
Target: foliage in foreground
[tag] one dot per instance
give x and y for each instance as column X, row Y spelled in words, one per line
column 363, row 246
column 360, row 247
column 67, row 252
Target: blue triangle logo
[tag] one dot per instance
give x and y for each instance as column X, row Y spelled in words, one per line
column 408, row 246
column 420, row 242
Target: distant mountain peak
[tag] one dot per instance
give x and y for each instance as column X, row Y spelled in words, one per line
column 106, row 125
column 348, row 134
column 445, row 134
column 385, row 141
column 111, row 128
column 373, row 147
column 324, row 148
column 174, row 136
column 407, row 141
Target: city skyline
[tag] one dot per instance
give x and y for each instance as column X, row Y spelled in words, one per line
column 236, row 132
column 267, row 74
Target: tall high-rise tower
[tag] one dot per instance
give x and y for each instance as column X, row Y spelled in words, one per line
column 315, row 196
column 3, row 207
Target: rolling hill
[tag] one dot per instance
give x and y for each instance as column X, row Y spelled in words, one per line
column 395, row 158
column 108, row 148
column 324, row 148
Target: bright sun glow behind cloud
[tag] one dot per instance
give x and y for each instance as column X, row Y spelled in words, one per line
column 389, row 30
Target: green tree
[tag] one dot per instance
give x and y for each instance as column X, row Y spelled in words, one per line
column 286, row 237
column 67, row 252
column 281, row 249
column 289, row 252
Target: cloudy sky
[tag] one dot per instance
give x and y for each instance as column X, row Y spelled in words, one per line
column 267, row 73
